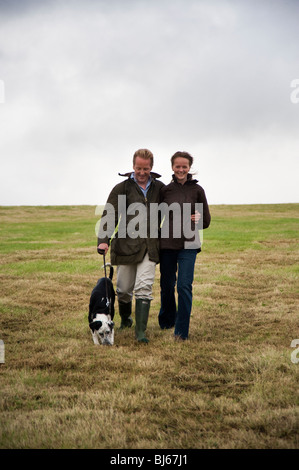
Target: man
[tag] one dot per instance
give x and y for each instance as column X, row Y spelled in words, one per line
column 132, row 249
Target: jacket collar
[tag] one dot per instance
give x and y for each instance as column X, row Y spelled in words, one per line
column 189, row 179
column 153, row 174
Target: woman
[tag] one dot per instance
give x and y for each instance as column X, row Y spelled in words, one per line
column 178, row 249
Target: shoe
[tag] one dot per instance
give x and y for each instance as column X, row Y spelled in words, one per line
column 179, row 338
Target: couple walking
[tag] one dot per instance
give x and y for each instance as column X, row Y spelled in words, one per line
column 182, row 208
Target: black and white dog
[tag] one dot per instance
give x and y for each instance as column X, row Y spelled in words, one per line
column 101, row 311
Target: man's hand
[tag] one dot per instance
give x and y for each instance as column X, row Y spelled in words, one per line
column 103, row 248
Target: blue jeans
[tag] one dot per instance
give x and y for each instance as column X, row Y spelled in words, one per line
column 172, row 261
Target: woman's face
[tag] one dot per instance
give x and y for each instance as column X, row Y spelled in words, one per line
column 181, row 167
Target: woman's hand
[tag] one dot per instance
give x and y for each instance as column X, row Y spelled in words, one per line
column 196, row 217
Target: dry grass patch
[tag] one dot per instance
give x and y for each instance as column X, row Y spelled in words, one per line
column 232, row 385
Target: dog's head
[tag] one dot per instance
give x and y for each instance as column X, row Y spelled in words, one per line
column 102, row 328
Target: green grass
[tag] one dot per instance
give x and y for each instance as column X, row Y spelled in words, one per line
column 231, row 385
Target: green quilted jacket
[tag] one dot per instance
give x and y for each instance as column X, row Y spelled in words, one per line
column 127, row 220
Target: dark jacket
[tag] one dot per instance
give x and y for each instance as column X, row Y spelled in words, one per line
column 191, row 193
column 126, row 247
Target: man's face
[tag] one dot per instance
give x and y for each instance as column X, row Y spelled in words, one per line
column 142, row 169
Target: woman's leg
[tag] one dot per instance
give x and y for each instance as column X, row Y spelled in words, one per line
column 186, row 262
column 168, row 268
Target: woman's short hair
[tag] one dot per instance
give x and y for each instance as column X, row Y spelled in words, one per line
column 182, row 155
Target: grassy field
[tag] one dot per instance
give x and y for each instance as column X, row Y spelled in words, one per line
column 233, row 384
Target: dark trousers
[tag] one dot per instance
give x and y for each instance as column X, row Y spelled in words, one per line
column 176, row 265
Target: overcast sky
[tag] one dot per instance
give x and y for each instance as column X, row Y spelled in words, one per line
column 83, row 84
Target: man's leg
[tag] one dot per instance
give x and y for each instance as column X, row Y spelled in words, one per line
column 145, row 277
column 124, row 289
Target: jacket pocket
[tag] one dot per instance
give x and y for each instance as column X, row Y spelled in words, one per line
column 127, row 246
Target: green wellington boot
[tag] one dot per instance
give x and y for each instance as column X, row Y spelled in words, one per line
column 125, row 311
column 141, row 317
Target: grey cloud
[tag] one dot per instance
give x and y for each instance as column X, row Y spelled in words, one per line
column 103, row 77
